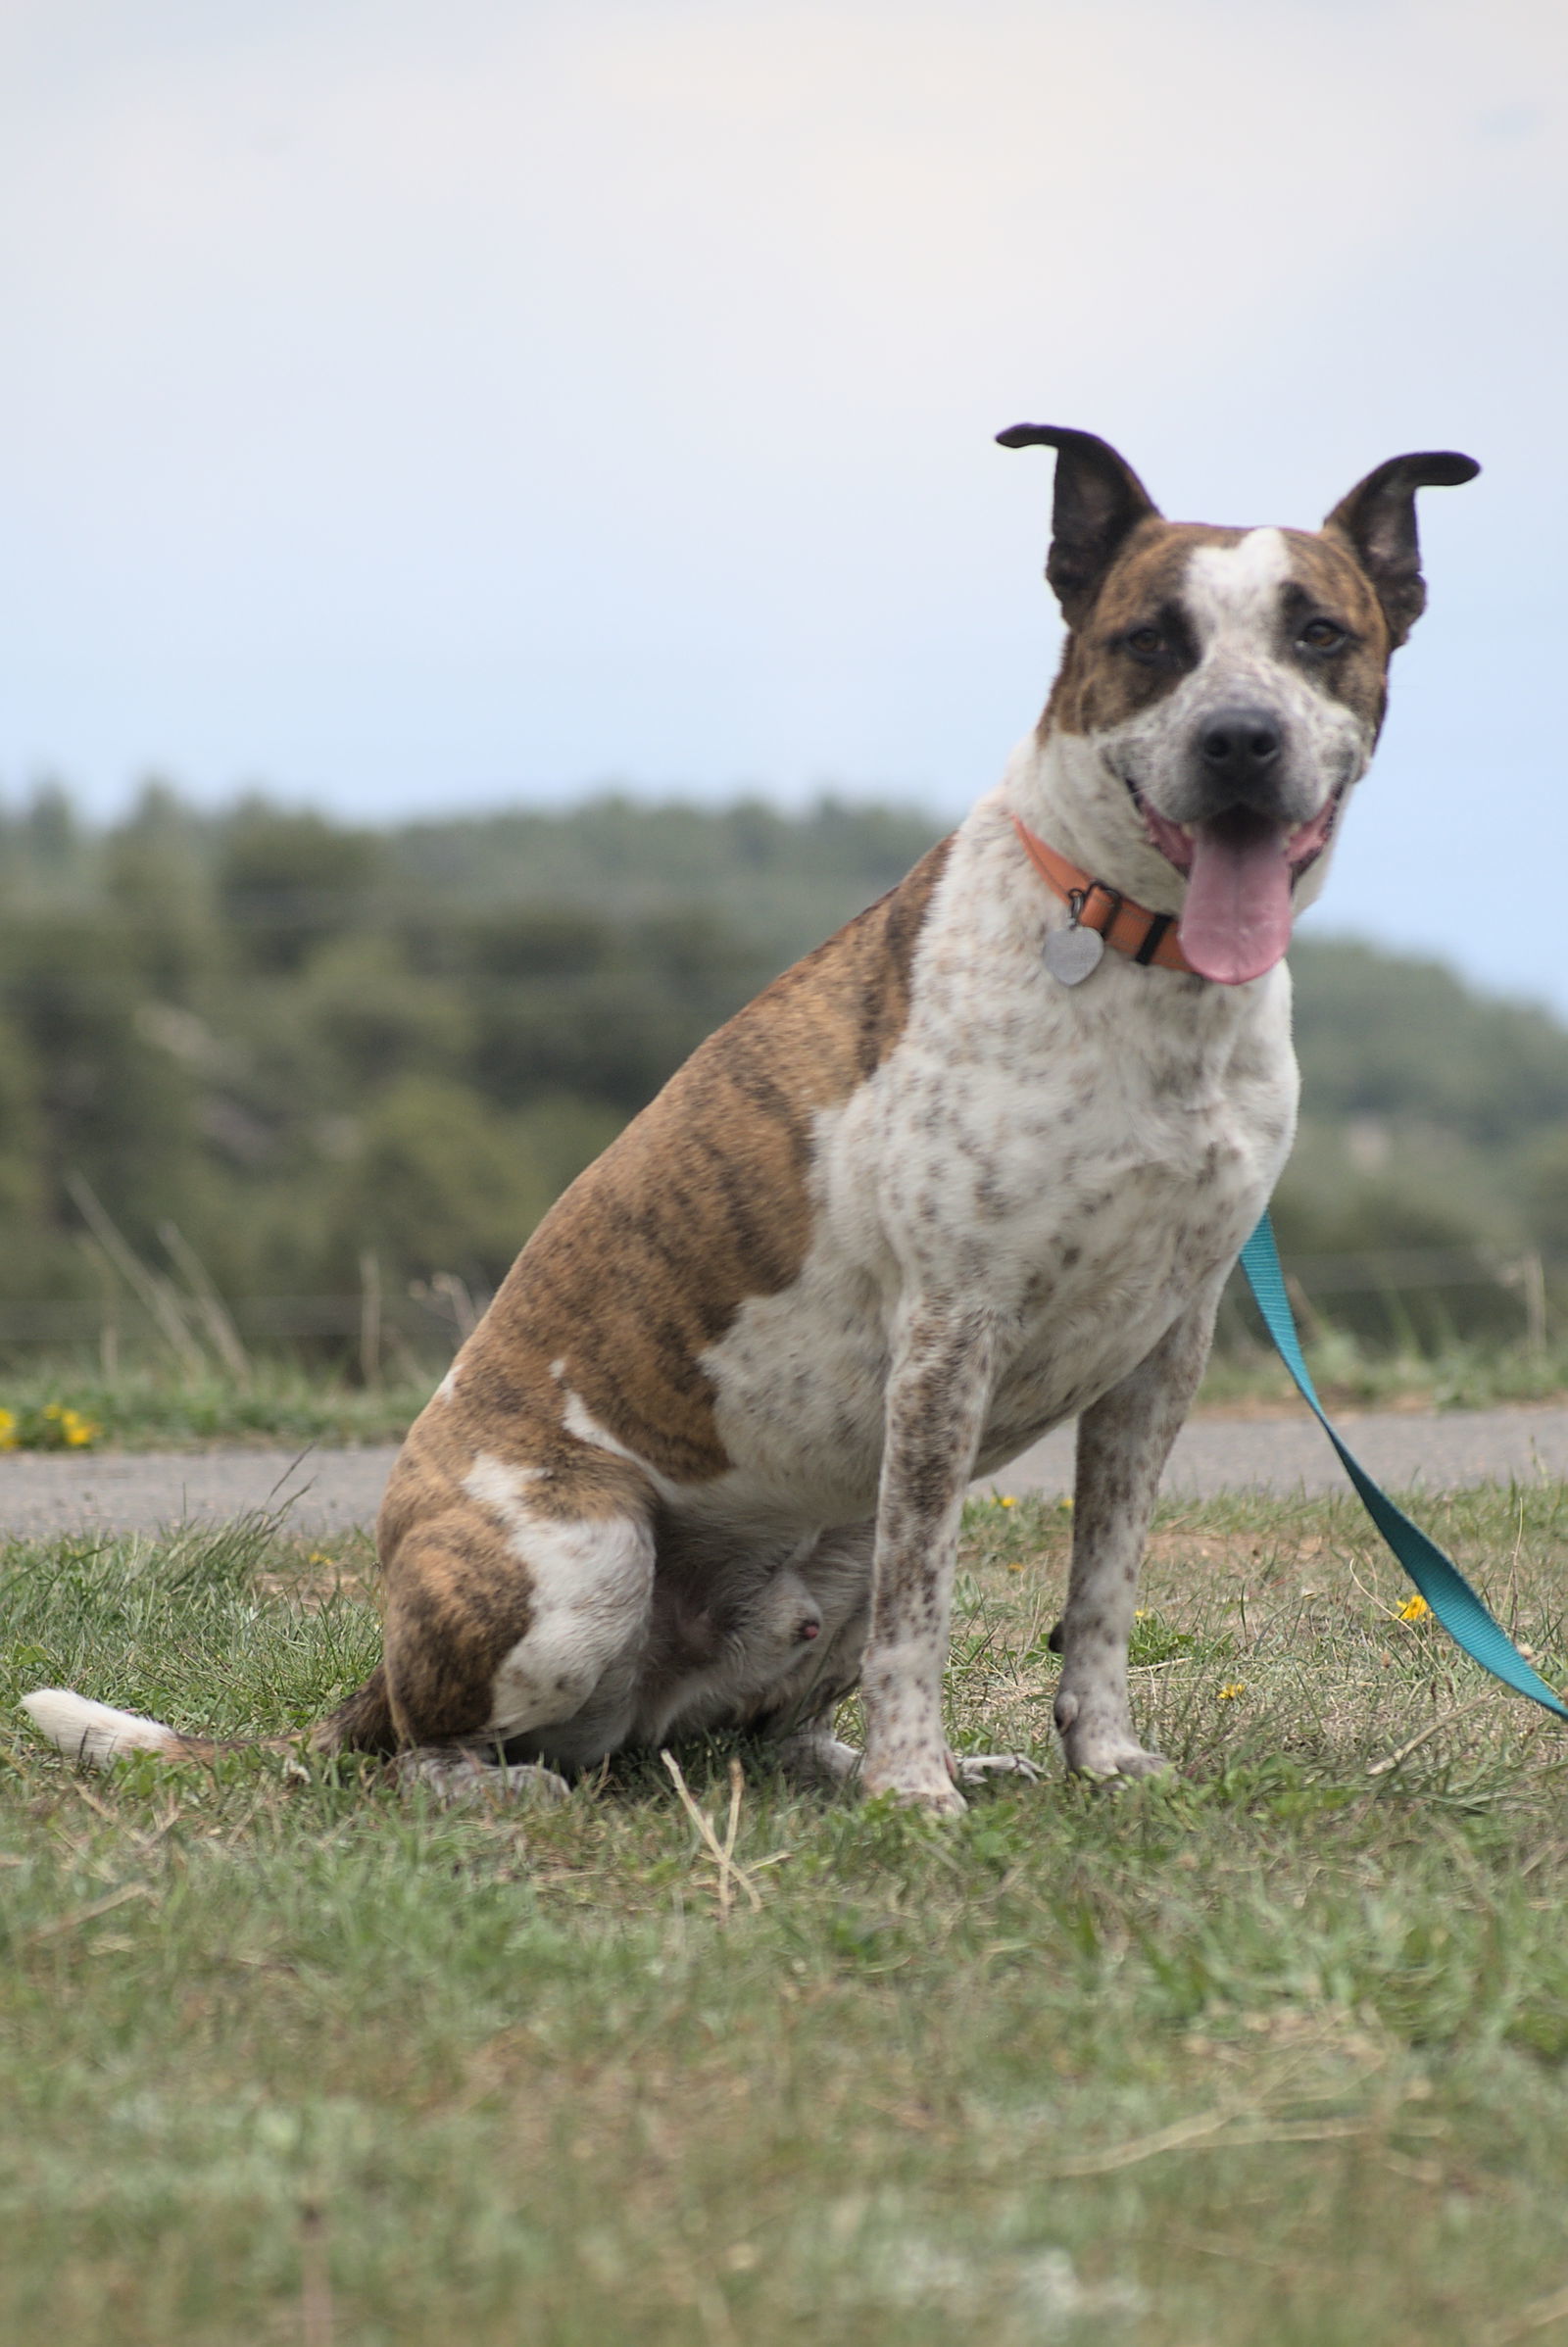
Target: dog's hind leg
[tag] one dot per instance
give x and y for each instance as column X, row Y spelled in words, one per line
column 518, row 1609
column 1124, row 1439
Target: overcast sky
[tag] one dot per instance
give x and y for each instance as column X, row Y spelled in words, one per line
column 420, row 404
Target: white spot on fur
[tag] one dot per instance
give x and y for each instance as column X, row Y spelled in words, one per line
column 498, row 1487
column 590, row 1584
column 447, row 1386
column 558, row 1368
column 578, row 1420
column 95, row 1733
column 1238, row 587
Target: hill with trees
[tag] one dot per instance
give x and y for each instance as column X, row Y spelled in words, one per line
column 298, row 1045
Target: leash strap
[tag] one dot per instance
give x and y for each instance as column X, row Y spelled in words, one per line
column 1441, row 1582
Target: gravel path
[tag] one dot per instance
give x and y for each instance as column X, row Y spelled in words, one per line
column 318, row 1492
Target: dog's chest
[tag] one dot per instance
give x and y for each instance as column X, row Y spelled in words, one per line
column 1080, row 1166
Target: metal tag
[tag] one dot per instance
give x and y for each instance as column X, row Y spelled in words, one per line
column 1072, row 954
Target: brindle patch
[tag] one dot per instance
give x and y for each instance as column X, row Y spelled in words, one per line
column 457, row 1602
column 1101, row 685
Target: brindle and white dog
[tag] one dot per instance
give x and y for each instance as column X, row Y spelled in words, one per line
column 941, row 1186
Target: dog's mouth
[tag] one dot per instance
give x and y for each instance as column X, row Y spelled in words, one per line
column 1240, row 869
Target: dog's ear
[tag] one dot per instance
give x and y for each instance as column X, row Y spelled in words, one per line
column 1378, row 517
column 1099, row 500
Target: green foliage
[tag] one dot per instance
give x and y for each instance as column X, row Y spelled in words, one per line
column 47, row 1426
column 302, row 1044
column 284, row 881
column 1394, row 1036
column 437, row 1182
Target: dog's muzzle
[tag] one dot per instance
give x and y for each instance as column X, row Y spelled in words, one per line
column 1241, row 840
column 1238, row 756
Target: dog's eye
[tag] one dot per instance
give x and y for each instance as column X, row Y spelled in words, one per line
column 1322, row 635
column 1145, row 643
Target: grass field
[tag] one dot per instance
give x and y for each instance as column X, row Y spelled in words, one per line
column 152, row 1404
column 1270, row 2052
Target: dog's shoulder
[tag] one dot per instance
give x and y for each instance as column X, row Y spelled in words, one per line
column 703, row 1203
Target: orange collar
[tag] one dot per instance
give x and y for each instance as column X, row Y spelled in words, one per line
column 1133, row 930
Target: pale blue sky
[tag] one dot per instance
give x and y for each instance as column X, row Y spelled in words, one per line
column 414, row 404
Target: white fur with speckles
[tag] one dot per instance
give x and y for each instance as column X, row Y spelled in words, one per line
column 1081, row 1160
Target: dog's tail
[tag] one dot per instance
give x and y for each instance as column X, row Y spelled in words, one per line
column 96, row 1736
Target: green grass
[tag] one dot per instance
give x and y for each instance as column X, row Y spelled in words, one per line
column 148, row 1406
column 1352, row 1375
column 1272, row 2051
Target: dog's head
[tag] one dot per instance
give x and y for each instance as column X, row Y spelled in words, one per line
column 1228, row 685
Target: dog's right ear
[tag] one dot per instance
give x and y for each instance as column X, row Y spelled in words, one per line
column 1379, row 519
column 1099, row 500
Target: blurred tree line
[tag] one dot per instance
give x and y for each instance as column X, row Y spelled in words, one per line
column 297, row 1040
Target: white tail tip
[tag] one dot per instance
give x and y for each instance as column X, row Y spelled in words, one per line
column 95, row 1733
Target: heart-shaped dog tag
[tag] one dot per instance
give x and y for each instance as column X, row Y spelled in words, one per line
column 1071, row 955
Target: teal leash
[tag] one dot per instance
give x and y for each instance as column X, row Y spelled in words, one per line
column 1439, row 1580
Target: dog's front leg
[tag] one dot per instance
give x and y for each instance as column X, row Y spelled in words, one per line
column 937, row 1398
column 1123, row 1442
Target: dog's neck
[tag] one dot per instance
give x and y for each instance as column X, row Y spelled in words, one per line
column 1060, row 786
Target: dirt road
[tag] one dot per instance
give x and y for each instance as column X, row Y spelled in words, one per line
column 319, row 1492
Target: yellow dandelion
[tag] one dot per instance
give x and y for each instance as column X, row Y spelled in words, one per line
column 1015, row 1565
column 318, row 1556
column 1005, row 1499
column 1140, row 1613
column 8, row 1430
column 1231, row 1690
column 1415, row 1610
column 1065, row 1503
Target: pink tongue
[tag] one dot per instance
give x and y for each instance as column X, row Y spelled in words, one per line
column 1236, row 922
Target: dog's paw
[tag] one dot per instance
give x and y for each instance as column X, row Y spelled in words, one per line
column 816, row 1756
column 456, row 1778
column 925, row 1786
column 1112, row 1758
column 1098, row 1740
column 981, row 1768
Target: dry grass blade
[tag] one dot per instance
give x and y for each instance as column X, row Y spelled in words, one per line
column 1538, row 2316
column 318, row 2322
column 1148, row 2147
column 223, row 1337
column 89, row 1913
column 722, row 1853
column 156, row 1294
column 1393, row 1760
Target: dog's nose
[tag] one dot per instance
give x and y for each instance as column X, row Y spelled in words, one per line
column 1240, row 747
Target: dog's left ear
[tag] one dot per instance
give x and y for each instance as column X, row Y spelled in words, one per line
column 1099, row 500
column 1378, row 517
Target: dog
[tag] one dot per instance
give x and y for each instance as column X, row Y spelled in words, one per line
column 979, row 1164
